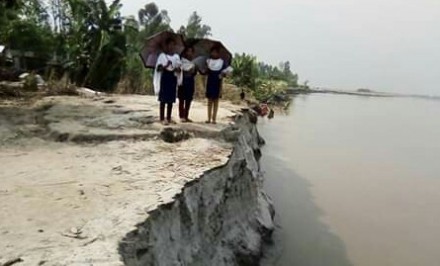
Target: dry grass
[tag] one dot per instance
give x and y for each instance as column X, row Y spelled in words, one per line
column 200, row 87
column 230, row 92
column 59, row 87
column 12, row 89
column 126, row 87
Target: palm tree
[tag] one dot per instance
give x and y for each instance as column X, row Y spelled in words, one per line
column 195, row 28
column 152, row 20
column 245, row 71
column 94, row 37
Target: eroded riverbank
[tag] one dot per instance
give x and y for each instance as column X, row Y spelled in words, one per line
column 79, row 174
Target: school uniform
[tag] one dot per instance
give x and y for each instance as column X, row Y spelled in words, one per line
column 165, row 82
column 214, row 82
column 186, row 90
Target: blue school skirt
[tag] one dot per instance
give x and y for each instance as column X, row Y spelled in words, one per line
column 186, row 90
column 213, row 85
column 168, row 87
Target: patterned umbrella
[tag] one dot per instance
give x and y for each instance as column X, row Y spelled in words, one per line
column 155, row 44
column 202, row 49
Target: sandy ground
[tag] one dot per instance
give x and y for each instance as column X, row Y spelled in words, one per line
column 78, row 173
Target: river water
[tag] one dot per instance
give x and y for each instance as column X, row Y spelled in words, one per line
column 355, row 181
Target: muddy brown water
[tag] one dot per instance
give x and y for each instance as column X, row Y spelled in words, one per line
column 355, row 181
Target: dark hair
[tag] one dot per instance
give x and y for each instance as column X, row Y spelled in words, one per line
column 169, row 40
column 215, row 48
column 187, row 48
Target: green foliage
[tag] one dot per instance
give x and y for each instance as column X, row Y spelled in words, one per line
column 264, row 81
column 268, row 89
column 100, row 49
column 112, row 57
column 246, row 71
column 93, row 39
column 30, row 83
column 283, row 72
column 288, row 75
column 152, row 20
column 31, row 11
column 59, row 10
column 96, row 47
column 21, row 33
column 194, row 28
column 23, row 23
column 35, row 12
column 135, row 78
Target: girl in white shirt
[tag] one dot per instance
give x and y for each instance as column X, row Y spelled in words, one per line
column 167, row 70
column 215, row 72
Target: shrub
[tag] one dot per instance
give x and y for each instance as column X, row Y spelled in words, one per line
column 30, row 83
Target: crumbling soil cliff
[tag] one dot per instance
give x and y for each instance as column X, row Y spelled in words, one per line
column 98, row 181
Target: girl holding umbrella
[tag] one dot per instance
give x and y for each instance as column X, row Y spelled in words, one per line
column 167, row 69
column 216, row 71
column 186, row 90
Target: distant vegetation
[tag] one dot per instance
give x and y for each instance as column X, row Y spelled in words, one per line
column 264, row 81
column 91, row 44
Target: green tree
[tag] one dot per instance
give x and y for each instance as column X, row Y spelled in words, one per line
column 195, row 28
column 269, row 89
column 282, row 73
column 59, row 13
column 35, row 11
column 22, row 33
column 8, row 13
column 152, row 20
column 266, row 82
column 245, row 72
column 93, row 41
column 136, row 79
column 287, row 74
column 23, row 23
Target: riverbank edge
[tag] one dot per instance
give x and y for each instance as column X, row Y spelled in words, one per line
column 222, row 218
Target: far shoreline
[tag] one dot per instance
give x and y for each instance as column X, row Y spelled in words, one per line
column 360, row 92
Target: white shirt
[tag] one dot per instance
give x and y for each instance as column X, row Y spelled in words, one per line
column 163, row 60
column 215, row 64
column 187, row 65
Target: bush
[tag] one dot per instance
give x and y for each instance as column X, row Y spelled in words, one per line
column 270, row 90
column 60, row 87
column 245, row 71
column 30, row 83
column 231, row 93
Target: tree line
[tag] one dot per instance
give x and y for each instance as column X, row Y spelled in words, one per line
column 95, row 46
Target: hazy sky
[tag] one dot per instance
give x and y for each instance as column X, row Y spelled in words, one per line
column 391, row 45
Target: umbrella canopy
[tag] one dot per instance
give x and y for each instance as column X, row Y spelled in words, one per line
column 202, row 49
column 155, row 45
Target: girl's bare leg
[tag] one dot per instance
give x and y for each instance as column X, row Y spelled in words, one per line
column 210, row 105
column 214, row 115
column 162, row 111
